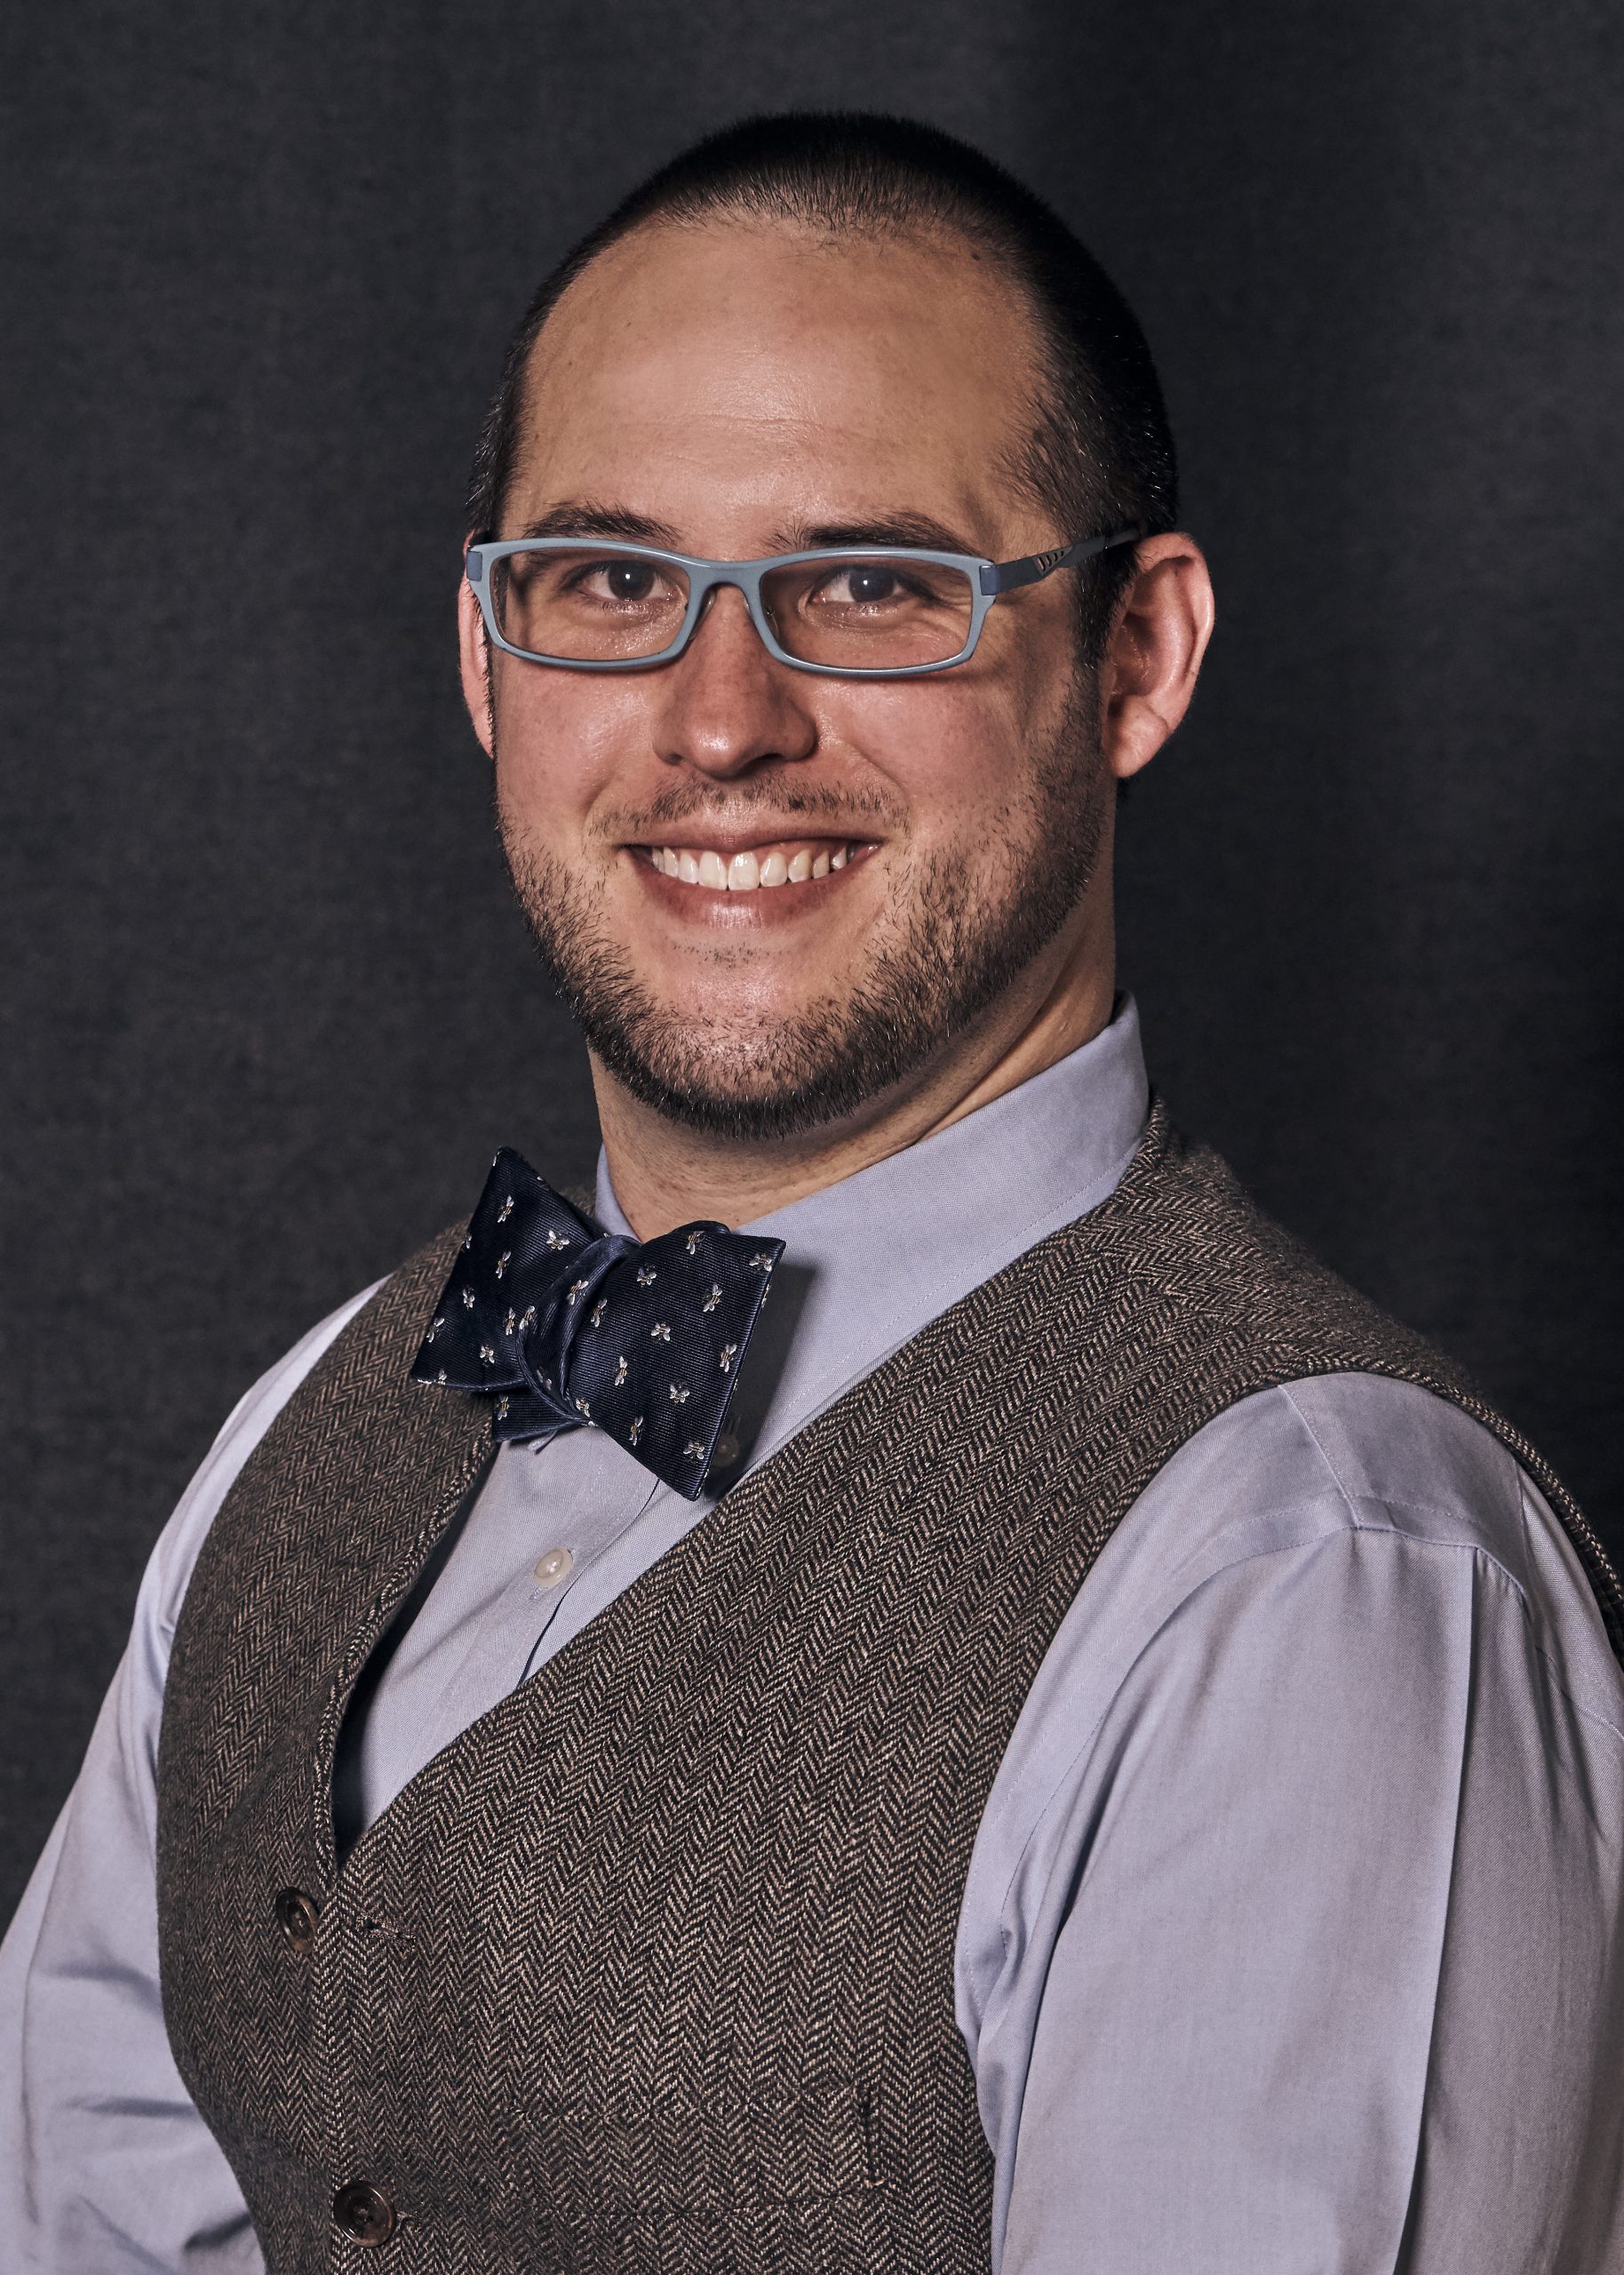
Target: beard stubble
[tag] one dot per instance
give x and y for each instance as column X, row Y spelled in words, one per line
column 947, row 944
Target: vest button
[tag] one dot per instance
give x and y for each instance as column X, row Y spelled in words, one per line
column 296, row 1914
column 363, row 2210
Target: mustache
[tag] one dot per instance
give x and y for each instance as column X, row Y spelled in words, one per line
column 727, row 807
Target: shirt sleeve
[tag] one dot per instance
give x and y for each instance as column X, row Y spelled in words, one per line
column 106, row 2166
column 1336, row 1961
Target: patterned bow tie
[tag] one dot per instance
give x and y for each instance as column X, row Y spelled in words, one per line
column 567, row 1325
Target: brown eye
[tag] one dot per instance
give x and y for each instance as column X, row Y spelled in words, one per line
column 870, row 583
column 627, row 580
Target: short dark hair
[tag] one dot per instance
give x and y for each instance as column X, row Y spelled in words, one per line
column 1101, row 452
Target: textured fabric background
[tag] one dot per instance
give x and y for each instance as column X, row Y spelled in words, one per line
column 267, row 1010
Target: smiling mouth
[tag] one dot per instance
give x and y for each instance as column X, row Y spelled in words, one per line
column 791, row 862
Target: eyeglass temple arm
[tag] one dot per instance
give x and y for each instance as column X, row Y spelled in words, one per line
column 1004, row 575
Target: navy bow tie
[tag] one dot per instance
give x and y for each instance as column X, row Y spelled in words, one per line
column 565, row 1324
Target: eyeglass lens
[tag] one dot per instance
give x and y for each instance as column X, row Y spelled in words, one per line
column 853, row 612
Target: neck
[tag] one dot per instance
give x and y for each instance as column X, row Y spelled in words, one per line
column 665, row 1173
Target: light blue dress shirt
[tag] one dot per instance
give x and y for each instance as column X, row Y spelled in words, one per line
column 1293, row 1934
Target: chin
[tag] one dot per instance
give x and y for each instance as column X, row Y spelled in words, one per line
column 753, row 1066
column 757, row 1081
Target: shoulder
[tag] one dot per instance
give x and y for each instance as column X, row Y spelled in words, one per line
column 1370, row 1455
column 1218, row 1305
column 170, row 1568
column 1345, row 1452
column 1350, row 1521
column 1346, row 1560
column 1347, row 1525
column 1408, row 1483
column 1304, row 1484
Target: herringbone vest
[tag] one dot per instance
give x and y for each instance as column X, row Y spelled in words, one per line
column 651, row 1969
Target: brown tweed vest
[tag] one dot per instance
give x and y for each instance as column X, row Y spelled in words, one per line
column 651, row 1969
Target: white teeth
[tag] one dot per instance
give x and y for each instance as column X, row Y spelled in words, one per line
column 744, row 872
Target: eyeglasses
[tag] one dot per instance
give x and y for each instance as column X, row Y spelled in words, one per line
column 882, row 612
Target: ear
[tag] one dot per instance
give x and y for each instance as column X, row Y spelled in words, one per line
column 477, row 692
column 1154, row 653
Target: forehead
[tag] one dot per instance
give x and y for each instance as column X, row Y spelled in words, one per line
column 716, row 376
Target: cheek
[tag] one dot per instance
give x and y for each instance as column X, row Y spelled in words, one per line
column 952, row 750
column 563, row 741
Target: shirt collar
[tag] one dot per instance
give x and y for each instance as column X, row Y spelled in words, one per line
column 871, row 1260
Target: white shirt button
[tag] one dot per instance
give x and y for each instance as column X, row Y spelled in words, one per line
column 556, row 1564
column 727, row 1451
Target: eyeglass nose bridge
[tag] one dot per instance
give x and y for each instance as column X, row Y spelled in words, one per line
column 745, row 578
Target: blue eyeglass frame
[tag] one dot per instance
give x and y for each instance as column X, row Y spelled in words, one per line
column 987, row 579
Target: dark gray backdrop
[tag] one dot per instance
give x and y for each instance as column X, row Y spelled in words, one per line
column 268, row 1009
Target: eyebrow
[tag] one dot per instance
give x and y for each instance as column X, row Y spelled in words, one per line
column 883, row 529
column 582, row 518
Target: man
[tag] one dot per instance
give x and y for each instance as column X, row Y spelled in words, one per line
column 992, row 1714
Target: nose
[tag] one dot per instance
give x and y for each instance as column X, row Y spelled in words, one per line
column 726, row 704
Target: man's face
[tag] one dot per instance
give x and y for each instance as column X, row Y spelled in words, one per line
column 863, row 868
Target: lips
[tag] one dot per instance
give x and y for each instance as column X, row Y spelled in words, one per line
column 788, row 861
